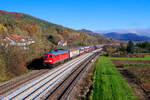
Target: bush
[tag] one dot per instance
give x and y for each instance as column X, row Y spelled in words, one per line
column 53, row 39
column 12, row 62
column 15, row 61
column 130, row 47
column 2, row 69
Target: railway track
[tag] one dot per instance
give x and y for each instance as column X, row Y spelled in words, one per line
column 62, row 90
column 10, row 85
column 37, row 88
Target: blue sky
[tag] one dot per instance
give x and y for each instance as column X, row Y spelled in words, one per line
column 88, row 14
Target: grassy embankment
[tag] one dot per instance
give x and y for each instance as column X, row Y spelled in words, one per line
column 108, row 83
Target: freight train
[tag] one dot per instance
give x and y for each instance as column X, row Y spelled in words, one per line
column 54, row 57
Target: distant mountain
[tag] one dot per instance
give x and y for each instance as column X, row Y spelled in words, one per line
column 126, row 37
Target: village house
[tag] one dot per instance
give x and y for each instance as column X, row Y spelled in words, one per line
column 17, row 40
column 62, row 43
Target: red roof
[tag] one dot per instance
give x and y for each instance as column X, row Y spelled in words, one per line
column 63, row 41
column 14, row 36
column 18, row 38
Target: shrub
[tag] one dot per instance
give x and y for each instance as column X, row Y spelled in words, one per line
column 2, row 69
column 12, row 62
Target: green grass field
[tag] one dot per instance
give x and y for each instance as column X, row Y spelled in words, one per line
column 147, row 57
column 108, row 83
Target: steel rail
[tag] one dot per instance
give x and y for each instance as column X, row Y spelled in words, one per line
column 44, row 77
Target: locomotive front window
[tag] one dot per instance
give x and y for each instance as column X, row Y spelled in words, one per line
column 50, row 56
column 45, row 56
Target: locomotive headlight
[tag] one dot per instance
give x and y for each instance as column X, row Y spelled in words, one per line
column 50, row 60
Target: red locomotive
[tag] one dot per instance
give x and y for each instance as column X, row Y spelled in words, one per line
column 55, row 56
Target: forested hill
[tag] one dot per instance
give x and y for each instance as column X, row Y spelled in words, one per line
column 23, row 24
column 45, row 35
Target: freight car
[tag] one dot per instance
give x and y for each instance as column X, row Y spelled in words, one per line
column 92, row 48
column 73, row 53
column 81, row 50
column 86, row 49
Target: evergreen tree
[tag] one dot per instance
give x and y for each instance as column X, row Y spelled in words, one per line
column 130, row 47
column 122, row 48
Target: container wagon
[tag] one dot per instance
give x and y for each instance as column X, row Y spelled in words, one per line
column 73, row 53
column 81, row 50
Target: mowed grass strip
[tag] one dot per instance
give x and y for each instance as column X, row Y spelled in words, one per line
column 108, row 83
column 147, row 57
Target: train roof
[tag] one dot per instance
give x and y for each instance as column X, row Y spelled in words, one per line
column 80, row 47
column 87, row 47
column 57, row 52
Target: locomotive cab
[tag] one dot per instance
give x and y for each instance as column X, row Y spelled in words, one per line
column 48, row 58
column 55, row 57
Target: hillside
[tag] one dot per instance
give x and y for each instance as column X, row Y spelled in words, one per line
column 44, row 37
column 19, row 23
column 126, row 37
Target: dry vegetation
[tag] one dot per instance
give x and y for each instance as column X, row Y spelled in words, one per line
column 137, row 73
column 143, row 73
column 12, row 63
column 83, row 88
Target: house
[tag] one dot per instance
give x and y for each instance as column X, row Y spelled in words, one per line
column 17, row 40
column 62, row 43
